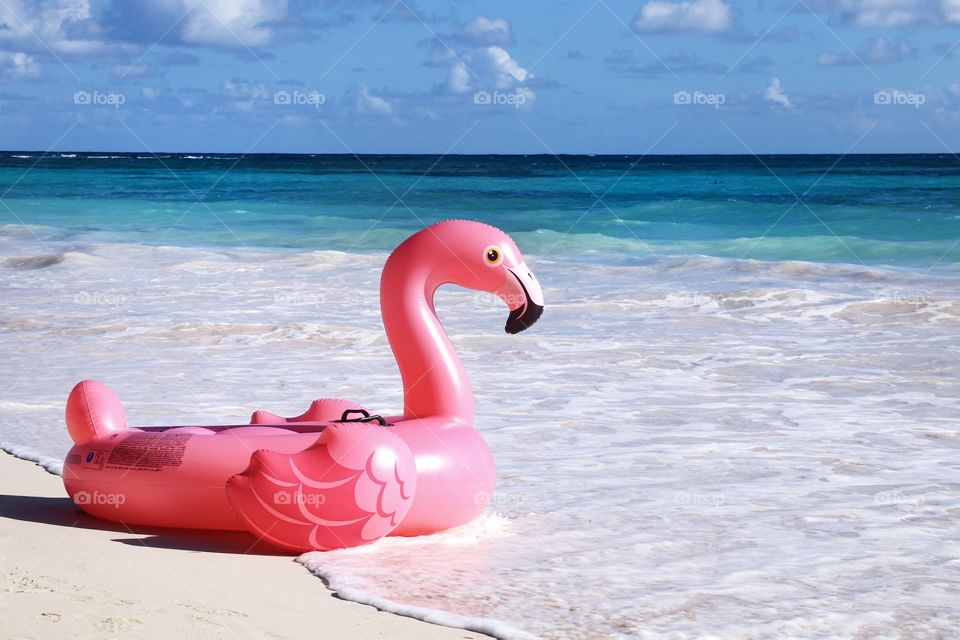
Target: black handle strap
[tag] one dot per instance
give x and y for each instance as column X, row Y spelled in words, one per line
column 364, row 417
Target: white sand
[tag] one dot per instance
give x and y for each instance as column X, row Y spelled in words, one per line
column 65, row 574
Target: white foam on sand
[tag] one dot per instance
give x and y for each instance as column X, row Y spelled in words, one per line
column 685, row 446
column 488, row 526
column 49, row 463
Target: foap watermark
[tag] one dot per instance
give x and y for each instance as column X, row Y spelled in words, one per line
column 99, row 99
column 484, row 300
column 298, row 497
column 499, row 500
column 299, row 299
column 498, row 99
column 99, row 298
column 693, row 499
column 699, row 98
column 899, row 99
column 896, row 499
column 98, row 498
column 914, row 298
column 313, row 99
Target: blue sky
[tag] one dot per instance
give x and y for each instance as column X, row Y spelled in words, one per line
column 417, row 76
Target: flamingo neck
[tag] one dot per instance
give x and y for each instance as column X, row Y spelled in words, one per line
column 434, row 380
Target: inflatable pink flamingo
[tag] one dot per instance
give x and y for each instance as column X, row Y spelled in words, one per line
column 335, row 476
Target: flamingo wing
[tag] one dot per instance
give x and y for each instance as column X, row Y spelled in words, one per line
column 353, row 486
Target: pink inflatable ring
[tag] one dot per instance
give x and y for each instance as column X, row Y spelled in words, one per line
column 335, row 476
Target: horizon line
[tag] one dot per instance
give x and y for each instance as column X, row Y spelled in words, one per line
column 49, row 152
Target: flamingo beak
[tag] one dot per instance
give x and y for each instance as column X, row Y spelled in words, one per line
column 523, row 295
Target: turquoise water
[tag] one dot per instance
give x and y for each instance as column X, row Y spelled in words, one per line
column 898, row 210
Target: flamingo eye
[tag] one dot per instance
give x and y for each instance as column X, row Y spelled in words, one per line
column 492, row 256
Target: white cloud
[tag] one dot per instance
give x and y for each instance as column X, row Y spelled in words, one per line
column 369, row 103
column 528, row 96
column 485, row 68
column 486, row 31
column 85, row 28
column 885, row 14
column 774, row 93
column 874, row 14
column 232, row 23
column 458, row 78
column 248, row 90
column 18, row 66
column 696, row 16
column 496, row 63
column 56, row 24
column 830, row 59
column 951, row 11
column 875, row 51
column 480, row 63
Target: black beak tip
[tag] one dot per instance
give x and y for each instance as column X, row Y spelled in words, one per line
column 523, row 317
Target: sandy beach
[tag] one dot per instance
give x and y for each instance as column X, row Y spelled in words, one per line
column 66, row 574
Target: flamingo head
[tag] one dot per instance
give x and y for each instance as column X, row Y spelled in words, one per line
column 485, row 258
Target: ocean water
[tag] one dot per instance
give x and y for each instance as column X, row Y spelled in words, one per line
column 739, row 415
